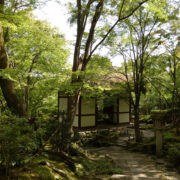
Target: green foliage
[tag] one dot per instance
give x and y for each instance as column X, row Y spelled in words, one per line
column 174, row 155
column 97, row 139
column 159, row 7
column 145, row 118
column 52, row 127
column 18, row 141
column 147, row 126
column 159, row 111
column 98, row 65
column 37, row 50
column 38, row 64
column 171, row 137
column 44, row 173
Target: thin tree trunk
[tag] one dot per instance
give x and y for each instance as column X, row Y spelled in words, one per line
column 82, row 17
column 136, row 124
column 27, row 97
column 11, row 98
column 176, row 118
column 67, row 129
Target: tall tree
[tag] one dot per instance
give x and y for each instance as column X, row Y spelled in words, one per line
column 138, row 41
column 171, row 44
column 9, row 11
column 37, row 56
column 7, row 87
column 84, row 12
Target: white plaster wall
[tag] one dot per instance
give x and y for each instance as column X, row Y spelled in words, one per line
column 88, row 106
column 62, row 107
column 75, row 123
column 123, row 105
column 63, row 104
column 124, row 118
column 87, row 121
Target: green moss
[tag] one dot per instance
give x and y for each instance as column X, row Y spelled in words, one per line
column 80, row 170
column 44, row 173
column 37, row 169
column 159, row 111
column 145, row 117
column 85, row 166
column 57, row 162
column 147, row 126
column 99, row 167
column 24, row 176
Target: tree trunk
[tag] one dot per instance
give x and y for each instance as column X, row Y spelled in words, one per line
column 27, row 89
column 7, row 87
column 136, row 124
column 67, row 129
column 11, row 98
column 82, row 19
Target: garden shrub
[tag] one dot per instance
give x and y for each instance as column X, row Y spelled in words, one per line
column 170, row 136
column 17, row 141
column 52, row 130
column 174, row 155
column 98, row 138
column 44, row 173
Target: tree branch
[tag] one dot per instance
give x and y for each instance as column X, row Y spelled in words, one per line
column 96, row 17
column 111, row 29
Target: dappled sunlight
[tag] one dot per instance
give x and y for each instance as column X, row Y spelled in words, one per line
column 135, row 166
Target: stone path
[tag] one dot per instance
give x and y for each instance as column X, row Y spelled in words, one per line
column 135, row 166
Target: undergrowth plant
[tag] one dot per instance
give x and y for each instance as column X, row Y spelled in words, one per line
column 18, row 142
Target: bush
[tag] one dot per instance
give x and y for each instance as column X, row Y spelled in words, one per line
column 170, row 136
column 174, row 155
column 53, row 129
column 98, row 138
column 17, row 141
column 44, row 173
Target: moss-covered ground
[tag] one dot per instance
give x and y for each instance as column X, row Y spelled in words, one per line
column 51, row 166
